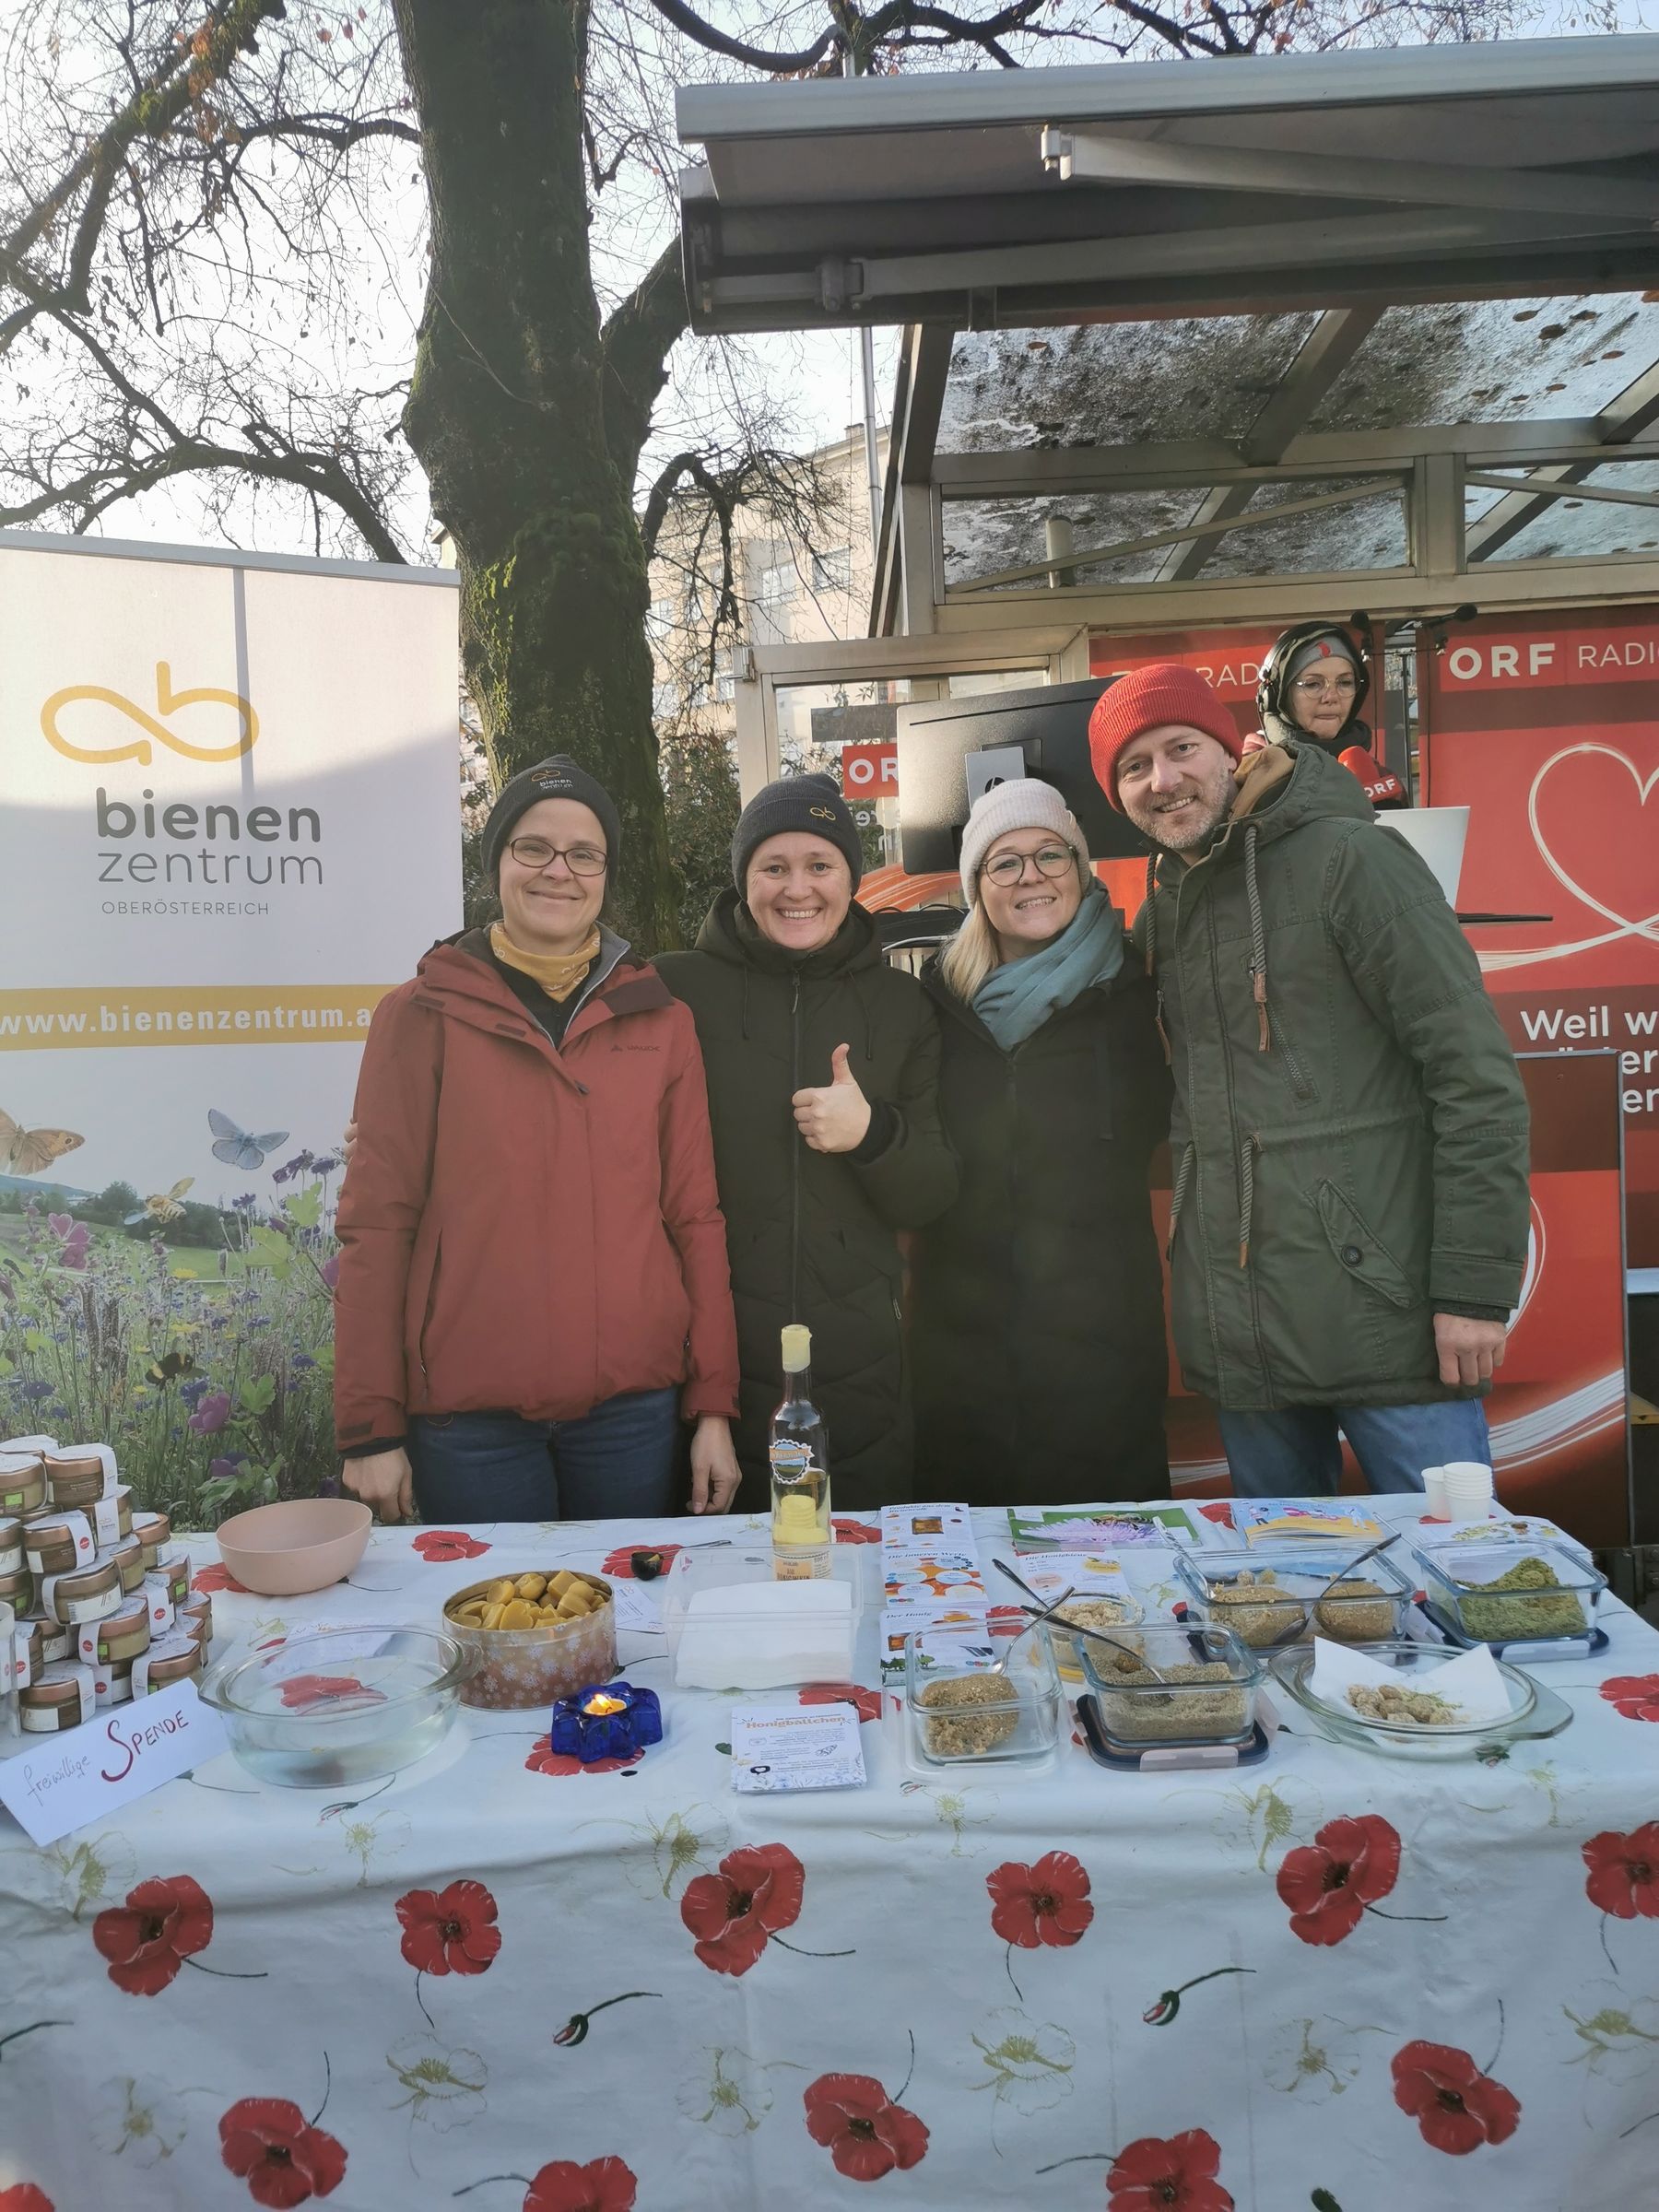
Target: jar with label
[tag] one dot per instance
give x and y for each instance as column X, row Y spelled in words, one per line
column 63, row 1697
column 23, row 1482
column 175, row 1566
column 128, row 1556
column 154, row 1531
column 90, row 1594
column 60, row 1640
column 194, row 1618
column 120, row 1635
column 115, row 1683
column 29, row 1648
column 17, row 1588
column 75, row 1484
column 113, row 1516
column 175, row 1660
column 11, row 1544
column 51, row 1542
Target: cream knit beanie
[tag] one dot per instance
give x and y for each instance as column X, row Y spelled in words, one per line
column 1021, row 803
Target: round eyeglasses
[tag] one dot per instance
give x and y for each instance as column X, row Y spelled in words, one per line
column 536, row 853
column 1051, row 860
column 1346, row 684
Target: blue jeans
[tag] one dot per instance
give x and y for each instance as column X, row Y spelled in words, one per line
column 616, row 1461
column 1295, row 1453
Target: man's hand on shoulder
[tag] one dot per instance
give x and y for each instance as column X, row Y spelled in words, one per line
column 1469, row 1350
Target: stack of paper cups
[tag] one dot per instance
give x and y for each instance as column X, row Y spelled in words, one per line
column 1434, row 1494
column 1468, row 1489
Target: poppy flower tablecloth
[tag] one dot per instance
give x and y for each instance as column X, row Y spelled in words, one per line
column 1328, row 1981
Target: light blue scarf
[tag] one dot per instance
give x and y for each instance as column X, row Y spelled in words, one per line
column 1017, row 998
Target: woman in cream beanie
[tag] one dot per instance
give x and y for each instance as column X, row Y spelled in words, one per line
column 1038, row 1337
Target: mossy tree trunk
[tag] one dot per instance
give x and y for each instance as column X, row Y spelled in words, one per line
column 528, row 414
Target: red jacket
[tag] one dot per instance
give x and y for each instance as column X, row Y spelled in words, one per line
column 526, row 1229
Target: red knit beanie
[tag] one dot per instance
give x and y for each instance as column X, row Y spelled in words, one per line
column 1165, row 692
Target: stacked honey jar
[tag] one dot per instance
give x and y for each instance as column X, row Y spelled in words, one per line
column 100, row 1598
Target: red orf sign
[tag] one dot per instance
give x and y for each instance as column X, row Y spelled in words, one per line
column 870, row 771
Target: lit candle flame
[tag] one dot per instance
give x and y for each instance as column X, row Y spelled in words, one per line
column 602, row 1704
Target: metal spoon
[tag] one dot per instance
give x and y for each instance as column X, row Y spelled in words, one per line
column 1311, row 1609
column 1073, row 1627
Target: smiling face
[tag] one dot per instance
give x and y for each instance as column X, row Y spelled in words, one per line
column 1028, row 908
column 1175, row 783
column 798, row 889
column 550, row 908
column 1322, row 697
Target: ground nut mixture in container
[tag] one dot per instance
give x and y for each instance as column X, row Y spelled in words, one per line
column 1195, row 1714
column 968, row 1733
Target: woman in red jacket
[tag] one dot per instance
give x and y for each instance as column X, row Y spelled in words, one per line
column 533, row 1283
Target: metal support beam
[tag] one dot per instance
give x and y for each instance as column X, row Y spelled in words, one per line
column 1619, row 203
column 1544, row 493
column 918, row 400
column 1621, row 423
column 1328, row 349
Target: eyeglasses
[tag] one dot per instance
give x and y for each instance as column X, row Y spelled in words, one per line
column 535, row 852
column 1309, row 685
column 1008, row 867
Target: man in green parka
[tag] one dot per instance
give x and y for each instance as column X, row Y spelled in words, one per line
column 1349, row 1217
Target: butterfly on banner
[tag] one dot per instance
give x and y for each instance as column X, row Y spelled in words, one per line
column 30, row 1150
column 235, row 1146
column 162, row 1205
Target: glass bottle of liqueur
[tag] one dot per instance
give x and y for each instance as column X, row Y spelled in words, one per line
column 800, row 1470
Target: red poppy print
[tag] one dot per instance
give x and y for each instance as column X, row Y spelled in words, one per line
column 441, row 1544
column 206, row 1580
column 302, row 1693
column 868, row 1701
column 620, row 1561
column 1624, row 1872
column 276, row 2150
column 147, row 1940
column 865, row 2132
column 853, row 1532
column 1219, row 1511
column 757, row 1892
column 544, row 1759
column 1177, row 2173
column 1328, row 1883
column 23, row 2196
column 602, row 2186
column 1047, row 1904
column 1635, row 1696
column 449, row 1931
column 1457, row 2106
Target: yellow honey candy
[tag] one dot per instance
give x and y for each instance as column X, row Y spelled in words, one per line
column 492, row 1616
column 532, row 1586
column 560, row 1584
column 502, row 1592
column 520, row 1614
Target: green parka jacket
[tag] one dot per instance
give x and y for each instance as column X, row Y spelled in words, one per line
column 812, row 1236
column 1349, row 1138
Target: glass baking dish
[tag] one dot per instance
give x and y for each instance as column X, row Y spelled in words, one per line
column 1534, row 1711
column 981, row 1715
column 334, row 1705
column 1551, row 1598
column 1223, row 1587
column 1210, row 1700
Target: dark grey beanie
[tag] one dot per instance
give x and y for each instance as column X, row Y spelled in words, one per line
column 811, row 804
column 555, row 778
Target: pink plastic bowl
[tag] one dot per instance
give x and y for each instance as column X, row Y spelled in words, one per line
column 304, row 1544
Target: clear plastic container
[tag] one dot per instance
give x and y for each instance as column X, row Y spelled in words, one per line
column 332, row 1706
column 1554, row 1601
column 1208, row 1696
column 1229, row 1589
column 731, row 1624
column 519, row 1670
column 978, row 1716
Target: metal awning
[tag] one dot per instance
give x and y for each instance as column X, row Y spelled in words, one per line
column 1523, row 169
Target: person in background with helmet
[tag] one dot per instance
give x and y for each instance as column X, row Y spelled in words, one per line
column 1348, row 1224
column 823, row 1067
column 1314, row 683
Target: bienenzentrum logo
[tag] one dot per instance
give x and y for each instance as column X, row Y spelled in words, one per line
column 168, row 701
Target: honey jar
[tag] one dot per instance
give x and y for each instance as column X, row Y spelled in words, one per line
column 53, row 1542
column 194, row 1618
column 23, row 1482
column 128, row 1556
column 29, row 1648
column 11, row 1545
column 74, row 1484
column 113, row 1516
column 16, row 1589
column 60, row 1640
column 90, row 1594
column 63, row 1697
column 154, row 1531
column 120, row 1635
column 175, row 1566
column 115, row 1684
column 174, row 1660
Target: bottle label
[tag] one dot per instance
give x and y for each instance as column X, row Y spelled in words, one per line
column 790, row 1460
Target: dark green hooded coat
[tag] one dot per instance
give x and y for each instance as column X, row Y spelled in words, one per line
column 1349, row 1138
column 813, row 1235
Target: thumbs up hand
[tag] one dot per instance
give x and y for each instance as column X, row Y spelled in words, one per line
column 835, row 1118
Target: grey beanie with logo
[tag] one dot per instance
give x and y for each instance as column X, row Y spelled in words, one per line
column 811, row 804
column 555, row 778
